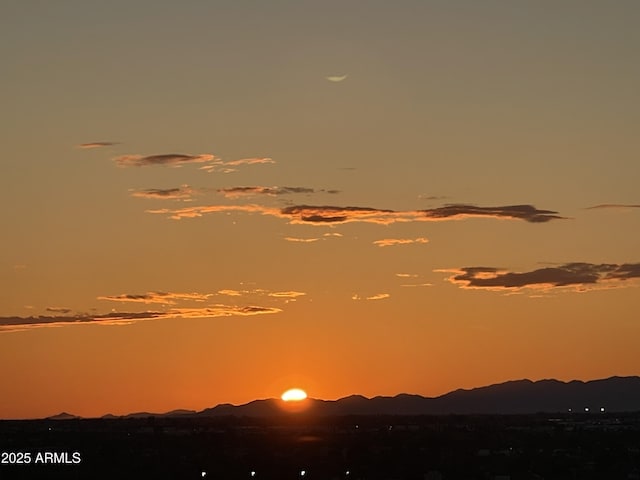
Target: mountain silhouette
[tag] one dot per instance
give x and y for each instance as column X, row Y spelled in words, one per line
column 615, row 394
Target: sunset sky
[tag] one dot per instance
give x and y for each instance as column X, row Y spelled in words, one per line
column 214, row 201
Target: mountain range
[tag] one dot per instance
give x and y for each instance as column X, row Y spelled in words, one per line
column 615, row 394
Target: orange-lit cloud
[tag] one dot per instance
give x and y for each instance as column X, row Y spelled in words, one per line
column 97, row 144
column 248, row 161
column 261, row 292
column 301, row 240
column 289, row 294
column 232, row 293
column 164, row 298
column 193, row 212
column 237, row 192
column 329, row 215
column 171, row 159
column 416, row 285
column 8, row 324
column 389, row 242
column 184, row 192
column 227, row 167
column 377, row 296
column 579, row 276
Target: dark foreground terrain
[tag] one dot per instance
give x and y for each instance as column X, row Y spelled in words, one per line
column 585, row 446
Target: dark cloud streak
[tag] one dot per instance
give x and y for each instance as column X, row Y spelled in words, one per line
column 569, row 274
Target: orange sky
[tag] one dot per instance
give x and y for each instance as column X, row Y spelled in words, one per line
column 195, row 214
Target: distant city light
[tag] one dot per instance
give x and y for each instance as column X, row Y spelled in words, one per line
column 253, row 474
column 586, row 409
column 303, row 473
column 602, row 409
column 203, row 474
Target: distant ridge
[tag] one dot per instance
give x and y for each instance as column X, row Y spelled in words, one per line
column 614, row 394
column 62, row 416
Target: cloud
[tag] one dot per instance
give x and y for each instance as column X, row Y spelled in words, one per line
column 236, row 192
column 377, row 296
column 97, row 144
column 222, row 311
column 289, row 294
column 431, row 197
column 619, row 206
column 232, row 293
column 406, row 275
column 328, row 215
column 522, row 212
column 227, row 167
column 579, row 276
column 8, row 324
column 163, row 298
column 58, row 310
column 248, row 161
column 416, row 285
column 388, row 242
column 301, row 240
column 193, row 212
column 179, row 193
column 172, row 159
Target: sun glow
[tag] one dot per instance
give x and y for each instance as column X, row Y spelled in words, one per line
column 294, row 395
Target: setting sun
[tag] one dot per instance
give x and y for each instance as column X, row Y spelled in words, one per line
column 294, row 395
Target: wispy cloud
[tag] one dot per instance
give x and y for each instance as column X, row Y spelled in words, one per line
column 227, row 167
column 8, row 324
column 261, row 292
column 249, row 161
column 289, row 294
column 97, row 144
column 62, row 310
column 617, row 206
column 185, row 192
column 170, row 159
column 406, row 275
column 164, row 298
column 377, row 296
column 193, row 212
column 579, row 276
column 237, row 192
column 389, row 242
column 416, row 285
column 301, row 240
column 329, row 215
column 431, row 197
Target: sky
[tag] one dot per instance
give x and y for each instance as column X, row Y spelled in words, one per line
column 211, row 202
